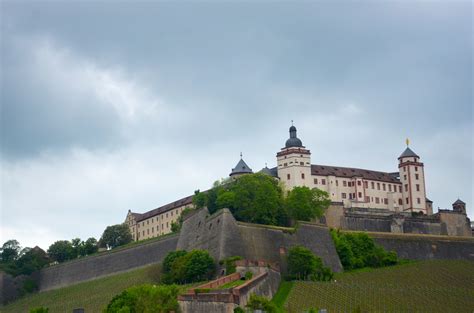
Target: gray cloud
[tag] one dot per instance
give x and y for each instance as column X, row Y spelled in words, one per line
column 106, row 107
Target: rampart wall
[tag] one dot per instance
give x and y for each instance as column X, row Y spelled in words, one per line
column 426, row 247
column 105, row 264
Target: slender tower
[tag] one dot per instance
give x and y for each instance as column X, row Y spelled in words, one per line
column 412, row 177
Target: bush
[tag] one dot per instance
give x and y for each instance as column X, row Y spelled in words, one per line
column 248, row 275
column 145, row 298
column 358, row 250
column 304, row 265
column 239, row 310
column 39, row 310
column 187, row 267
column 260, row 303
column 229, row 263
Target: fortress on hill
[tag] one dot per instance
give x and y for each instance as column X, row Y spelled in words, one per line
column 362, row 199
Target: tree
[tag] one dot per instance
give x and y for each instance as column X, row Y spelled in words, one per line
column 304, row 265
column 261, row 303
column 305, row 204
column 185, row 267
column 90, row 246
column 10, row 251
column 31, row 261
column 146, row 298
column 199, row 199
column 77, row 244
column 61, row 251
column 115, row 235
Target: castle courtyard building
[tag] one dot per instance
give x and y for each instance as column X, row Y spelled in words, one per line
column 400, row 192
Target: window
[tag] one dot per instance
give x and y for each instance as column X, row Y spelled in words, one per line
column 360, row 194
column 389, row 187
column 377, row 200
column 353, row 195
column 315, row 181
column 344, row 183
column 418, row 200
column 417, row 187
column 373, row 185
column 400, row 202
column 302, row 175
column 147, row 222
column 367, row 199
column 378, row 186
column 167, row 226
column 404, row 169
column 405, row 177
column 166, row 215
column 366, row 185
column 417, row 176
column 143, row 233
column 383, row 187
column 400, row 189
column 406, row 200
column 172, row 213
column 152, row 230
column 416, row 168
column 343, row 195
column 385, row 201
column 323, row 181
column 359, row 183
column 288, row 176
column 148, row 231
column 406, row 187
column 286, row 164
column 337, row 183
column 301, row 163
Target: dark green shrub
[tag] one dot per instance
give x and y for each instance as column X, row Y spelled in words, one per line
column 39, row 310
column 229, row 263
column 145, row 298
column 260, row 303
column 239, row 310
column 29, row 286
column 358, row 250
column 304, row 265
column 187, row 267
column 248, row 275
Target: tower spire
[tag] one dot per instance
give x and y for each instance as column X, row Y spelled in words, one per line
column 407, row 142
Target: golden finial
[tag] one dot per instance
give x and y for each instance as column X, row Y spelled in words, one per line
column 407, row 141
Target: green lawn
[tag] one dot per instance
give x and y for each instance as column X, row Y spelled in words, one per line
column 93, row 296
column 425, row 286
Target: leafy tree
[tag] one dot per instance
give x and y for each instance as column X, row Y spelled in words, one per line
column 145, row 298
column 61, row 251
column 185, row 267
column 261, row 303
column 304, row 204
column 90, row 246
column 77, row 244
column 358, row 250
column 115, row 235
column 304, row 265
column 199, row 199
column 31, row 261
column 10, row 251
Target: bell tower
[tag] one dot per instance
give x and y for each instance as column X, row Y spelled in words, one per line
column 412, row 177
column 294, row 162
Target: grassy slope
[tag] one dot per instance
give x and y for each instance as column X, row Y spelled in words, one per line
column 93, row 296
column 427, row 286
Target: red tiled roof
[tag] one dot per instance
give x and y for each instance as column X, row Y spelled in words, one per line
column 349, row 172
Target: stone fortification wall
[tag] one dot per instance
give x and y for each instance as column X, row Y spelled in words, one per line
column 426, row 247
column 92, row 267
column 223, row 237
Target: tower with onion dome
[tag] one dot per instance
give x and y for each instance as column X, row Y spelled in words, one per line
column 294, row 162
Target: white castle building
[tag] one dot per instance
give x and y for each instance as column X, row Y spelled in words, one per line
column 401, row 191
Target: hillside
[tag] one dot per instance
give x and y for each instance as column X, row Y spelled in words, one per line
column 427, row 286
column 91, row 295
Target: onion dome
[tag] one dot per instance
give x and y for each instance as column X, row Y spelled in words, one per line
column 293, row 141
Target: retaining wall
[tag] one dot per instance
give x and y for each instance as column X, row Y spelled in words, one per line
column 93, row 267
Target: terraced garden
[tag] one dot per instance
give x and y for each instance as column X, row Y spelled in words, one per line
column 428, row 286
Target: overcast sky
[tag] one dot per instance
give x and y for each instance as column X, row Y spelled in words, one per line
column 110, row 106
